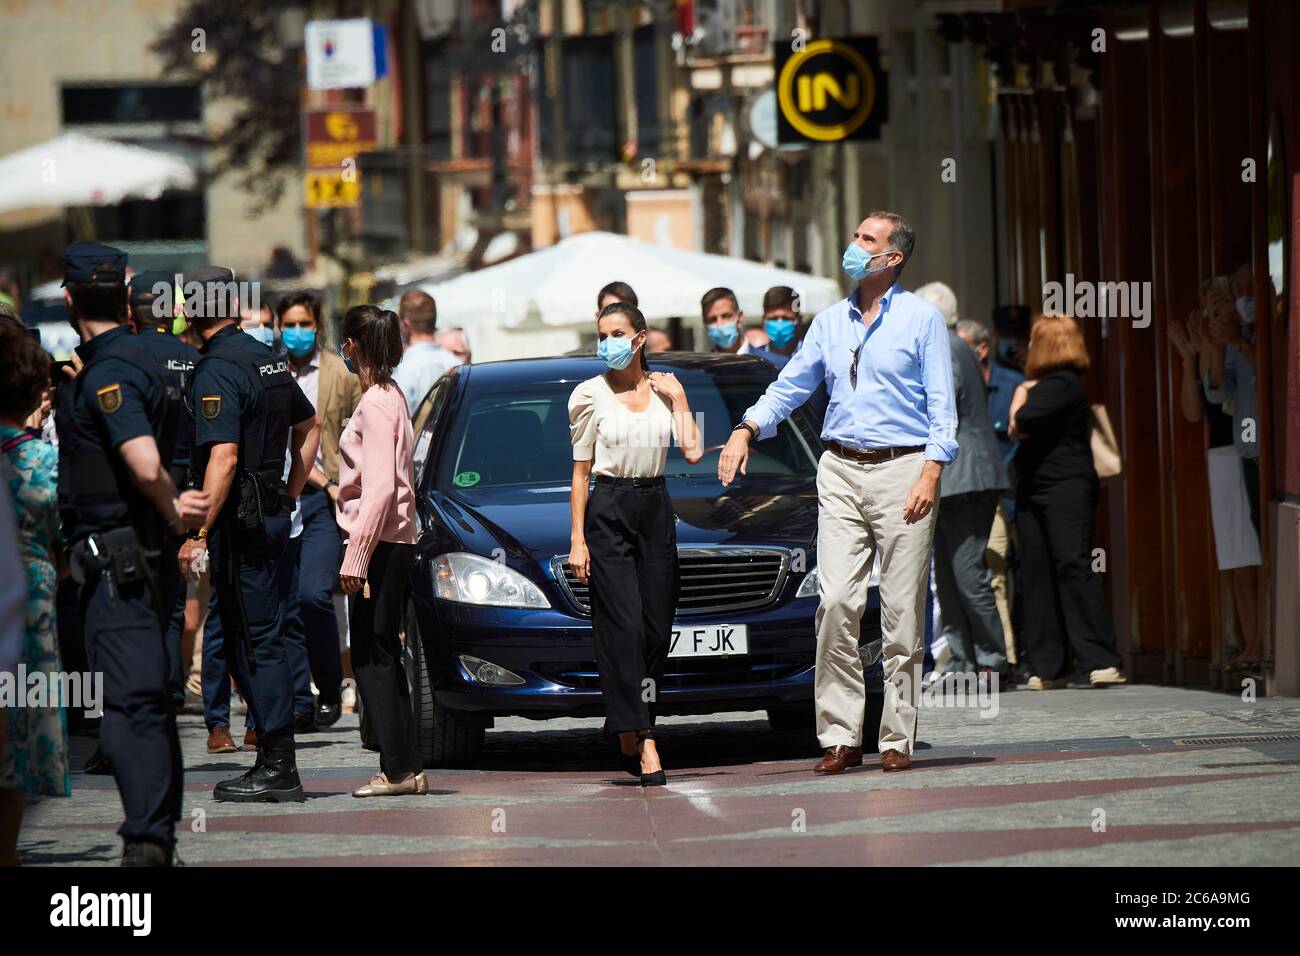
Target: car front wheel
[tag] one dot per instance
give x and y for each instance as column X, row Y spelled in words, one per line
column 444, row 738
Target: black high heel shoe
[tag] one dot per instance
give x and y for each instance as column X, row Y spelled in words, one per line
column 656, row 779
column 628, row 762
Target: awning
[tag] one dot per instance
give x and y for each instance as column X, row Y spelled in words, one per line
column 557, row 286
column 80, row 170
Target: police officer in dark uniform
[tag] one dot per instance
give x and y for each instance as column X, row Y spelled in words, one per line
column 119, row 504
column 248, row 411
column 151, row 295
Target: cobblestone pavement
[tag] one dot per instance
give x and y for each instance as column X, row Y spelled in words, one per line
column 1068, row 777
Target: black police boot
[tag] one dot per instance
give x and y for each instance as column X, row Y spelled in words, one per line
column 145, row 853
column 304, row 723
column 327, row 715
column 98, row 765
column 273, row 779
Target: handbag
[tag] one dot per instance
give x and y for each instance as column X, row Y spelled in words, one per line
column 1106, row 457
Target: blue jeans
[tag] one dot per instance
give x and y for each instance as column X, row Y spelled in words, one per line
column 306, row 575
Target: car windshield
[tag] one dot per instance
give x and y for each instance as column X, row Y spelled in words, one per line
column 520, row 437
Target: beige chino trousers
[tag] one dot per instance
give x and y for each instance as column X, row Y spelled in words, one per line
column 860, row 510
column 995, row 556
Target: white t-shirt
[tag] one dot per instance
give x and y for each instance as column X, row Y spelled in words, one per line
column 617, row 441
column 308, row 379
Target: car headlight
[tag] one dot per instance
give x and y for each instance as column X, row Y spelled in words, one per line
column 473, row 579
column 808, row 586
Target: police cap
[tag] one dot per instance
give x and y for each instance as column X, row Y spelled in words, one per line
column 93, row 262
column 143, row 285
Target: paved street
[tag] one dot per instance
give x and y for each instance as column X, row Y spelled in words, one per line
column 1070, row 777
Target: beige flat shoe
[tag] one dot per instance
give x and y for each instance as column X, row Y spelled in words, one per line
column 1107, row 677
column 381, row 786
column 1046, row 683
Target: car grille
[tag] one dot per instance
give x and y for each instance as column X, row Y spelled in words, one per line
column 713, row 579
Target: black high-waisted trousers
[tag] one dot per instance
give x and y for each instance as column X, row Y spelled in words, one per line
column 634, row 586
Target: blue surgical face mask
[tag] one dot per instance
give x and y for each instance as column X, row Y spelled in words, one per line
column 1246, row 309
column 780, row 331
column 616, row 353
column 347, row 362
column 855, row 262
column 263, row 333
column 723, row 336
column 299, row 341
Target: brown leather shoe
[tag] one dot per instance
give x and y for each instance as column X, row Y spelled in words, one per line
column 250, row 739
column 837, row 758
column 895, row 760
column 219, row 741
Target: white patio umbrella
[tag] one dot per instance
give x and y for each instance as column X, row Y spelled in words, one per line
column 557, row 286
column 79, row 170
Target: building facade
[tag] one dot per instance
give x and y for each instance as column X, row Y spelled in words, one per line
column 88, row 67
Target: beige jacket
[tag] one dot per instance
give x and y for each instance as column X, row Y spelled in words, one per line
column 337, row 394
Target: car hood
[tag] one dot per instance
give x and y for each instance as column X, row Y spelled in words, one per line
column 535, row 523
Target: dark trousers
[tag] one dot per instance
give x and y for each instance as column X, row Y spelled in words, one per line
column 966, row 602
column 124, row 642
column 173, row 602
column 70, row 621
column 308, row 571
column 1250, row 471
column 1063, row 597
column 377, row 657
column 635, row 582
column 173, row 586
column 216, row 674
column 244, row 581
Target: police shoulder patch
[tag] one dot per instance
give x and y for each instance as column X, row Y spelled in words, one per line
column 110, row 398
column 210, row 406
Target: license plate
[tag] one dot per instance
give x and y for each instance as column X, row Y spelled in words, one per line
column 709, row 640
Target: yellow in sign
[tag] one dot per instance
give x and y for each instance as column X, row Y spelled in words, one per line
column 857, row 92
column 331, row 188
column 813, row 92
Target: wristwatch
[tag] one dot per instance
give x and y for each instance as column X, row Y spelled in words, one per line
column 748, row 427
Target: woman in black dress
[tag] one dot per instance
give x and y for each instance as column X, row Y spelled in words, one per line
column 1056, row 498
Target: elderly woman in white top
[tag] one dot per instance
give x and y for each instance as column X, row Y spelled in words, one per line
column 624, row 538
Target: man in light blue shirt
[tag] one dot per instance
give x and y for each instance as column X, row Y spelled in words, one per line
column 424, row 360
column 890, row 427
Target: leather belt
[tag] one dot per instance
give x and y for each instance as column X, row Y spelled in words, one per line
column 636, row 481
column 872, row 455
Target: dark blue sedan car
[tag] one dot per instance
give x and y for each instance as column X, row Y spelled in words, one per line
column 498, row 625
